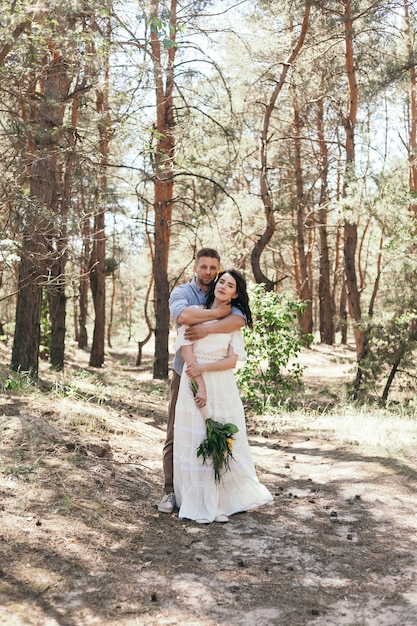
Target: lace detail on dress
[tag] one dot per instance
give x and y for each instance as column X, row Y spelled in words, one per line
column 206, row 357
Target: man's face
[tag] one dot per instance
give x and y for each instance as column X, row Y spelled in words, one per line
column 206, row 269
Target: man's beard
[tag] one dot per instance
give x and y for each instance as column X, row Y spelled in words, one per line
column 205, row 281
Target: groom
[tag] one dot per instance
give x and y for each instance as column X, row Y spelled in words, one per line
column 182, row 305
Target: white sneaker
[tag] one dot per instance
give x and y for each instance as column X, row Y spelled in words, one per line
column 222, row 519
column 167, row 504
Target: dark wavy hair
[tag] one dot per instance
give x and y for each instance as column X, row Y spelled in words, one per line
column 242, row 300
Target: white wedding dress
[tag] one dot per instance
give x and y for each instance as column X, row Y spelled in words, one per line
column 196, row 493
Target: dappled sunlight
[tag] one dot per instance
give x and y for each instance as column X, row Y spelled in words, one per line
column 82, row 541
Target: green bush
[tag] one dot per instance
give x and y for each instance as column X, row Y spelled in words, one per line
column 16, row 380
column 271, row 371
column 391, row 351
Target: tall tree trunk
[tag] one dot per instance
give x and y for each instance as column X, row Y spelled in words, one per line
column 326, row 301
column 25, row 352
column 111, row 313
column 98, row 249
column 75, row 299
column 412, row 140
column 265, row 191
column 56, row 290
column 305, row 294
column 350, row 226
column 163, row 183
column 45, row 185
column 412, row 150
column 97, row 283
column 57, row 305
column 343, row 316
column 82, row 337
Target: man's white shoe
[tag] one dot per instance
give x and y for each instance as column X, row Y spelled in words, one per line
column 167, row 504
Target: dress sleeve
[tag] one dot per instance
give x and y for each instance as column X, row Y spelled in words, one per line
column 238, row 345
column 181, row 340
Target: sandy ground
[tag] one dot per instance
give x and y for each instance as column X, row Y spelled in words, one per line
column 82, row 542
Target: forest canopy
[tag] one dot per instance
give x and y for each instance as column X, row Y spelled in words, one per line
column 283, row 134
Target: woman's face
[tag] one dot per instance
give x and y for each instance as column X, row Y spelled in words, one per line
column 225, row 289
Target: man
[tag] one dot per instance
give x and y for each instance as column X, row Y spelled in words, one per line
column 183, row 310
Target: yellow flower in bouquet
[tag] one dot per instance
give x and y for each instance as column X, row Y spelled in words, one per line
column 218, row 442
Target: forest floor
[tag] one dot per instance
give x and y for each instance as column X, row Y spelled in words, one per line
column 82, row 542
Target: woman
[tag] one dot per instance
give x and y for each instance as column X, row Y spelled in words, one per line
column 210, row 362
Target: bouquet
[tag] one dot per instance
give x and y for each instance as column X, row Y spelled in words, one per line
column 218, row 443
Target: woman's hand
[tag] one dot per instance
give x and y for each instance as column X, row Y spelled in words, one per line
column 193, row 370
column 201, row 398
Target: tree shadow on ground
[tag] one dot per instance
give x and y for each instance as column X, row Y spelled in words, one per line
column 82, row 540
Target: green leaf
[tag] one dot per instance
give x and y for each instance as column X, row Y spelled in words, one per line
column 169, row 43
column 231, row 428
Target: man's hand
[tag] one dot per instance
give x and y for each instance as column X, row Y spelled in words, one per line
column 195, row 332
column 223, row 310
column 197, row 315
column 199, row 331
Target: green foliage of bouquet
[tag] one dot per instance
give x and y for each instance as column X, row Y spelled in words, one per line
column 218, row 442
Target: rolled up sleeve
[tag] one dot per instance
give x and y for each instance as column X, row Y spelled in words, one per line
column 178, row 302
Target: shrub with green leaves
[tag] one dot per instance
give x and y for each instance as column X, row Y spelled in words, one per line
column 271, row 370
column 16, row 380
column 391, row 351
